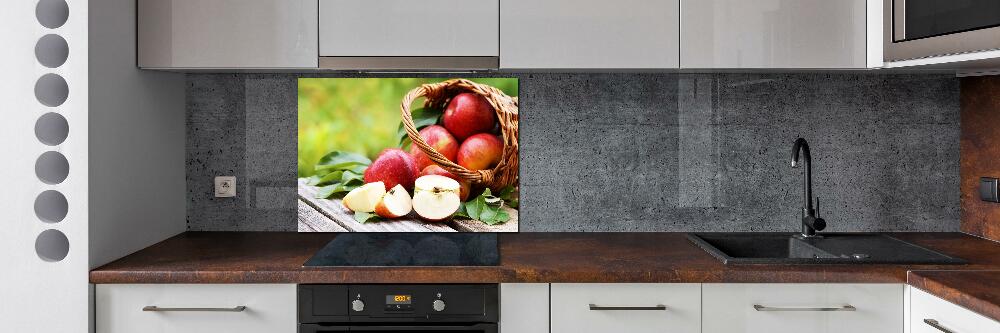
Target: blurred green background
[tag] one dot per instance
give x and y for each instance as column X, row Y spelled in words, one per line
column 358, row 115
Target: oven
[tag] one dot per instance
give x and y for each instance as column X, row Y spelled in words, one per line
column 916, row 29
column 385, row 308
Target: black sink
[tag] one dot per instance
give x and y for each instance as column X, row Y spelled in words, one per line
column 839, row 248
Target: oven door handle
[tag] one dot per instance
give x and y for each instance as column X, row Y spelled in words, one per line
column 315, row 328
column 485, row 328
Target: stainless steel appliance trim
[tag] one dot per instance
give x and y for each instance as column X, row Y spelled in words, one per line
column 848, row 307
column 963, row 42
column 240, row 308
column 660, row 307
column 898, row 20
column 409, row 63
column 935, row 324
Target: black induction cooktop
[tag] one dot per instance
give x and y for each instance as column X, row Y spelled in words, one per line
column 408, row 249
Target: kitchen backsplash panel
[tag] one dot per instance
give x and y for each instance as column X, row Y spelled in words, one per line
column 980, row 146
column 639, row 152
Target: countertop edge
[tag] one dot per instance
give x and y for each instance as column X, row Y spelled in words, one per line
column 929, row 281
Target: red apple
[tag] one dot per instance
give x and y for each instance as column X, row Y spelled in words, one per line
column 480, row 152
column 468, row 114
column 434, row 169
column 393, row 167
column 439, row 139
column 436, row 198
column 395, row 203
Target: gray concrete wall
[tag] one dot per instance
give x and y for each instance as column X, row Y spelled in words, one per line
column 640, row 152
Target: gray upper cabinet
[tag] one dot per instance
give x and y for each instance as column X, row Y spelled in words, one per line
column 227, row 33
column 774, row 34
column 397, row 34
column 639, row 34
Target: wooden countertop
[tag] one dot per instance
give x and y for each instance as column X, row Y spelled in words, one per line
column 277, row 257
column 978, row 291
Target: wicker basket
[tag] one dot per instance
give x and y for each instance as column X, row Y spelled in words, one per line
column 437, row 96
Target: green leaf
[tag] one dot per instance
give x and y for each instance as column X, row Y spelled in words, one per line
column 358, row 169
column 350, row 177
column 338, row 173
column 461, row 212
column 339, row 160
column 313, row 180
column 422, row 117
column 474, row 207
column 336, row 190
column 509, row 196
column 488, row 215
column 330, row 178
column 500, row 217
column 485, row 208
column 362, row 217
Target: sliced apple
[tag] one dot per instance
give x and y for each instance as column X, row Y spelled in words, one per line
column 363, row 199
column 395, row 203
column 436, row 198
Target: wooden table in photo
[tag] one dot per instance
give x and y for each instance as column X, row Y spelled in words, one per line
column 329, row 215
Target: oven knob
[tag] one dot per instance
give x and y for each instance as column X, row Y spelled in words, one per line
column 358, row 305
column 438, row 305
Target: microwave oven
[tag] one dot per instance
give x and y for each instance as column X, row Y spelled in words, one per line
column 915, row 29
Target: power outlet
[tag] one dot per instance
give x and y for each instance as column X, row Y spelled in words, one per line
column 988, row 189
column 225, row 187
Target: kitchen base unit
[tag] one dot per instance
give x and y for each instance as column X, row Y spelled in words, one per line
column 802, row 307
column 626, row 307
column 930, row 314
column 195, row 308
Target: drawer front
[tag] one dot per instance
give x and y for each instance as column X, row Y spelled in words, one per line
column 946, row 315
column 730, row 308
column 571, row 310
column 405, row 28
column 269, row 308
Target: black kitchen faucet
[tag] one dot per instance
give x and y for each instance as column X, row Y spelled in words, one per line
column 810, row 221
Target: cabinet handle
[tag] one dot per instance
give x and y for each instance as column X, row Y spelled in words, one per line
column 848, row 307
column 159, row 309
column 594, row 307
column 935, row 324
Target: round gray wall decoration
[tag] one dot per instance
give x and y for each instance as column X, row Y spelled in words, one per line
column 51, row 129
column 52, row 245
column 51, row 90
column 51, row 206
column 52, row 13
column 52, row 167
column 51, row 51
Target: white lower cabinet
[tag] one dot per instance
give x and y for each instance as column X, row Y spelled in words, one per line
column 817, row 308
column 196, row 308
column 930, row 314
column 626, row 307
column 524, row 307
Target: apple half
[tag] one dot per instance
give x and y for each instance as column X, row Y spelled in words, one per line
column 436, row 198
column 395, row 203
column 365, row 198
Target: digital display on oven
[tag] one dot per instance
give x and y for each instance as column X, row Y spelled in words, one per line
column 398, row 299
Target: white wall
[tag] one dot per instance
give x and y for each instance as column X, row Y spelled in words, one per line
column 125, row 149
column 38, row 295
column 137, row 187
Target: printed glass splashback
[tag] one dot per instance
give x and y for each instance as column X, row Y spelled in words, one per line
column 408, row 155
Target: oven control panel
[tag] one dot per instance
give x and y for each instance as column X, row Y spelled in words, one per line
column 400, row 303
